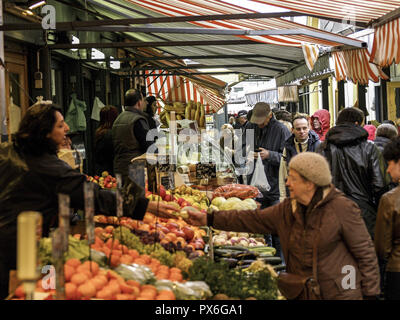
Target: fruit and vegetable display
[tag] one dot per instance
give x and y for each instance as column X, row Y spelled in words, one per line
column 234, row 203
column 171, row 234
column 227, row 238
column 105, row 181
column 190, row 111
column 242, row 257
column 240, row 191
column 226, row 282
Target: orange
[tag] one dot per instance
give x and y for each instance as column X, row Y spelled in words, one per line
column 79, row 278
column 73, row 262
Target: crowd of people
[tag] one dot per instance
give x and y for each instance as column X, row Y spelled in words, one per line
column 332, row 202
column 350, row 172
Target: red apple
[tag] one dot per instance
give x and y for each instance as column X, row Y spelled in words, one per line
column 180, row 201
column 189, row 233
column 167, row 197
column 179, row 233
column 163, row 192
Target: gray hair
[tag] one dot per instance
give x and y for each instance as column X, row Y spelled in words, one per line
column 387, row 130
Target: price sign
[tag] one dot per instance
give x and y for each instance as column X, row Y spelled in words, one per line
column 63, row 218
column 88, row 190
column 120, row 210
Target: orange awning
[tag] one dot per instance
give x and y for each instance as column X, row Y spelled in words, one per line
column 171, row 88
column 210, row 7
column 355, row 10
column 354, row 65
column 386, row 47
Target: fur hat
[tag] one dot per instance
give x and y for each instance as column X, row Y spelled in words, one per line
column 313, row 167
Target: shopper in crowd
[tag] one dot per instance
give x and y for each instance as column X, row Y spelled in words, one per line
column 151, row 109
column 303, row 139
column 371, row 129
column 387, row 231
column 285, row 117
column 241, row 120
column 321, row 123
column 129, row 132
column 103, row 144
column 32, row 176
column 316, row 214
column 356, row 163
column 269, row 139
column 227, row 140
column 384, row 134
column 231, row 121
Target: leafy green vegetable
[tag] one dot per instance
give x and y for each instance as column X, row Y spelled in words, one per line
column 233, row 282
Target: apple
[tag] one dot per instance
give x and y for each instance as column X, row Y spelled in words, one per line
column 172, row 226
column 198, row 245
column 97, row 177
column 179, row 234
column 180, row 201
column 167, row 197
column 162, row 192
column 189, row 233
column 164, row 230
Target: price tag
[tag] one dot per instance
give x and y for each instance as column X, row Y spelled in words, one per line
column 88, row 190
column 63, row 218
column 120, row 210
column 57, row 238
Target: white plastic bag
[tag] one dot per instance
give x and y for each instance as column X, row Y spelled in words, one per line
column 259, row 179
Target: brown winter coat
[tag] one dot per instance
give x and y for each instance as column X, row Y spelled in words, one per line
column 387, row 230
column 344, row 240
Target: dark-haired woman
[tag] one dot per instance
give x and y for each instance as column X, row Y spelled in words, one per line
column 151, row 108
column 31, row 177
column 103, row 144
column 387, row 229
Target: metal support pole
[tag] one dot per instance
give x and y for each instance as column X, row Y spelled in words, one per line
column 3, row 119
column 47, row 73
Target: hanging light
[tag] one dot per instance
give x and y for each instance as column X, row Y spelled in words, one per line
column 36, row 4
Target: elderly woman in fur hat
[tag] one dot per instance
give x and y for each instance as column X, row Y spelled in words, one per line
column 327, row 248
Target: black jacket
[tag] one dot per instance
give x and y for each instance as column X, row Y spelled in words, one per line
column 33, row 183
column 272, row 137
column 312, row 145
column 357, row 168
column 381, row 142
column 104, row 154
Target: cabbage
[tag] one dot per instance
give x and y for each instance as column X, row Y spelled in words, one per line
column 251, row 203
column 218, row 201
column 234, row 200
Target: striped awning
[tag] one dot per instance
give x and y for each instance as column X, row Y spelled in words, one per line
column 355, row 65
column 386, row 46
column 171, row 88
column 211, row 7
column 363, row 11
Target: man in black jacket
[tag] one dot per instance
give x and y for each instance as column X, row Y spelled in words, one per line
column 357, row 165
column 129, row 132
column 269, row 139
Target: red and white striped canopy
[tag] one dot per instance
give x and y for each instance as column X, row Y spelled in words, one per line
column 386, row 46
column 171, row 88
column 355, row 66
column 354, row 10
column 212, row 7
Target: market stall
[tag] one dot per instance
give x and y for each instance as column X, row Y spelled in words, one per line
column 118, row 258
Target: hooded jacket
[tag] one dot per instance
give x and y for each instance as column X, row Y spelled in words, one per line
column 343, row 241
column 324, row 119
column 357, row 168
column 371, row 129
